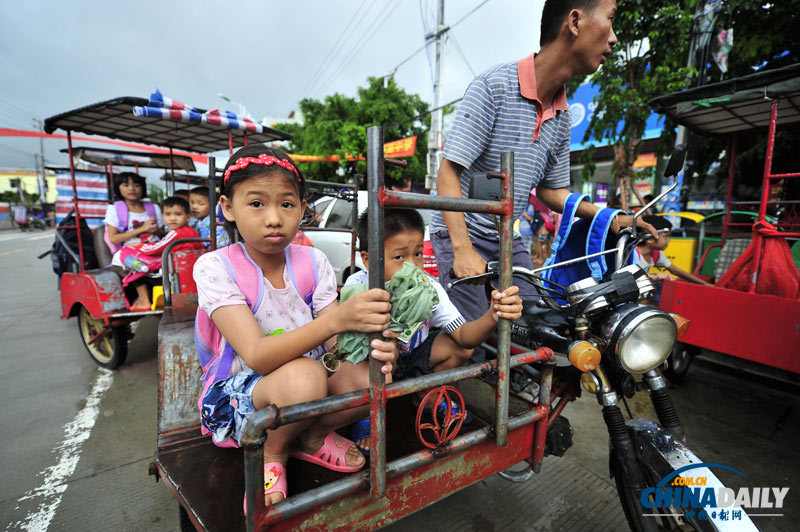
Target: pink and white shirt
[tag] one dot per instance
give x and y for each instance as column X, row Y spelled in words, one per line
column 281, row 310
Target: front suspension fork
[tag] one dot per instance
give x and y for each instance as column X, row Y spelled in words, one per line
column 623, row 447
column 662, row 403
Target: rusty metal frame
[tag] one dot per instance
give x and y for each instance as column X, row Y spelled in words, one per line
column 254, row 435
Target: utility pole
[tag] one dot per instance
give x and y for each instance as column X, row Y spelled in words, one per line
column 435, row 134
column 702, row 27
column 40, row 166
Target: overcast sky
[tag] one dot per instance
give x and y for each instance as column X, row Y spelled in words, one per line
column 56, row 56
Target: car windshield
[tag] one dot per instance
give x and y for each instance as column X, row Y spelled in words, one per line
column 426, row 215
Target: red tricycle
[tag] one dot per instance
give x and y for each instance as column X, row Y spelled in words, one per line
column 755, row 313
column 592, row 334
column 91, row 291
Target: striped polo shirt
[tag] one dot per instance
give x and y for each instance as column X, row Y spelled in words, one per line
column 500, row 112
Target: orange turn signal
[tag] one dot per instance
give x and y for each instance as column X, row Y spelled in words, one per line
column 682, row 324
column 584, row 356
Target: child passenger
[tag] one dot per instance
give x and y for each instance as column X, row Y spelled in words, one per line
column 651, row 254
column 176, row 218
column 446, row 340
column 198, row 201
column 275, row 345
column 132, row 219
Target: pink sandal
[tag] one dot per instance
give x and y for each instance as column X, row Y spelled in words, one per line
column 331, row 455
column 274, row 480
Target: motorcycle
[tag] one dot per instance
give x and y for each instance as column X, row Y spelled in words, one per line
column 610, row 338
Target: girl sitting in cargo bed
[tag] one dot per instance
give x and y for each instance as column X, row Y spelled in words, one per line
column 266, row 309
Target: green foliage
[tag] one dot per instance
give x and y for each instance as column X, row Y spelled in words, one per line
column 649, row 60
column 155, row 193
column 338, row 125
column 762, row 31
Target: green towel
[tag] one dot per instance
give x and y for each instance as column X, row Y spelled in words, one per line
column 412, row 296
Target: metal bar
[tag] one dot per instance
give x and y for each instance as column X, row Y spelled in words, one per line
column 75, row 202
column 762, row 210
column 393, row 198
column 503, row 324
column 75, row 258
column 328, row 229
column 357, row 481
column 563, row 401
column 274, row 417
column 783, row 176
column 729, row 194
column 377, row 383
column 165, row 267
column 354, row 230
column 230, row 142
column 254, row 484
column 212, row 200
column 110, row 183
column 758, row 240
column 135, row 314
column 330, row 184
column 540, row 431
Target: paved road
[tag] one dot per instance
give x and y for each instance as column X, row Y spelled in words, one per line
column 77, row 440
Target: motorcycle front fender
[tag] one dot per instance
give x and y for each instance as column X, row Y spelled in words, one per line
column 661, row 454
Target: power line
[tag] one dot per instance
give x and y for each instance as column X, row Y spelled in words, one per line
column 18, row 108
column 7, row 147
column 433, row 35
column 333, row 49
column 452, row 37
column 430, row 111
column 364, row 41
column 459, row 21
column 350, row 54
column 340, row 52
column 11, row 113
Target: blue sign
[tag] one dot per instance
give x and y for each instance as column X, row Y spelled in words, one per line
column 582, row 107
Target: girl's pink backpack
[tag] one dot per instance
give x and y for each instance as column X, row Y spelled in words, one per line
column 153, row 263
column 122, row 216
column 215, row 354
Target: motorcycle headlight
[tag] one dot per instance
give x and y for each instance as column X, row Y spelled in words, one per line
column 641, row 337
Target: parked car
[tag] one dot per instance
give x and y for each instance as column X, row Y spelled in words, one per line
column 336, row 212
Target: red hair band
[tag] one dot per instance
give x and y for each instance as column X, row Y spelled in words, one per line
column 266, row 160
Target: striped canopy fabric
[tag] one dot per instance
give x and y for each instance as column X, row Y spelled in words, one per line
column 162, row 107
column 92, row 190
column 115, row 119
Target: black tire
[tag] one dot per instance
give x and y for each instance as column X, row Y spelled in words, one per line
column 110, row 349
column 184, row 522
column 678, row 362
column 626, row 497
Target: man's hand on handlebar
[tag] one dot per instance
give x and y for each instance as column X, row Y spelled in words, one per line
column 506, row 304
column 467, row 263
column 626, row 220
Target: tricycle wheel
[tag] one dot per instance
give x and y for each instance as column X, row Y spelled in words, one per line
column 679, row 361
column 108, row 346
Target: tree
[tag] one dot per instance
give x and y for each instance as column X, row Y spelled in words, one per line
column 649, row 60
column 338, row 125
column 155, row 193
column 765, row 36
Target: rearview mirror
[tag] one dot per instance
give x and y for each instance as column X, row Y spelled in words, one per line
column 482, row 187
column 675, row 163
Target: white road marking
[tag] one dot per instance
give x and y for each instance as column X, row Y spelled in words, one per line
column 56, row 476
column 28, row 236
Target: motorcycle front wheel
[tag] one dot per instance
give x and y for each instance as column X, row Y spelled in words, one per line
column 658, row 455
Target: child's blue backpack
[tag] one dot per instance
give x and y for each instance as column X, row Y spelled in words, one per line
column 576, row 238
